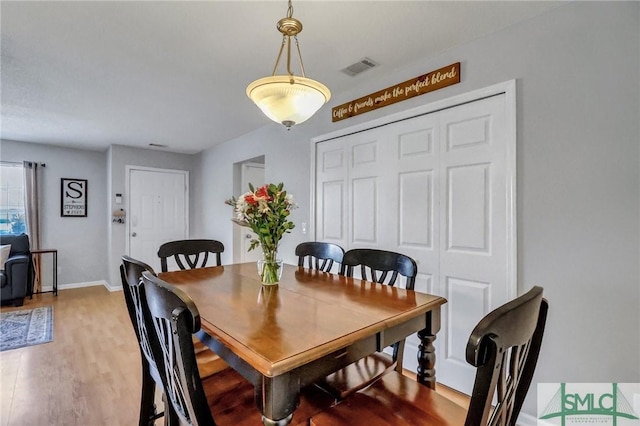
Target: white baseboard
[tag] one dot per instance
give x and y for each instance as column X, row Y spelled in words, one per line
column 84, row 284
column 113, row 288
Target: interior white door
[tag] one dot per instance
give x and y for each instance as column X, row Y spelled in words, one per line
column 158, row 201
column 252, row 173
column 473, row 256
column 331, row 191
column 433, row 187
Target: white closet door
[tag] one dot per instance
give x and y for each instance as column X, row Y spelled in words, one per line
column 409, row 201
column 367, row 181
column 473, row 241
column 433, row 187
column 331, row 192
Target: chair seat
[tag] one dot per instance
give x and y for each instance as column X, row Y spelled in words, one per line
column 393, row 400
column 231, row 401
column 358, row 375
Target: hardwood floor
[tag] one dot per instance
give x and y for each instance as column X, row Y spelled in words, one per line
column 89, row 375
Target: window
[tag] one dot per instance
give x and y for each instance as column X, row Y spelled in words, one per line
column 12, row 217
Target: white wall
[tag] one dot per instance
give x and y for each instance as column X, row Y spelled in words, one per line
column 81, row 241
column 578, row 82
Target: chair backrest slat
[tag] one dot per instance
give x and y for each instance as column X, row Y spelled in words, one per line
column 380, row 266
column 131, row 273
column 175, row 319
column 195, row 253
column 375, row 265
column 504, row 347
column 319, row 255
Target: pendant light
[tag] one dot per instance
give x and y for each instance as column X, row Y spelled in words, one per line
column 288, row 99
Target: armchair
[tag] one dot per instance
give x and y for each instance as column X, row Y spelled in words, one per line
column 16, row 279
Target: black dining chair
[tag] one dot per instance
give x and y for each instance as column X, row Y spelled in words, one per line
column 504, row 348
column 384, row 267
column 208, row 362
column 190, row 254
column 130, row 273
column 319, row 255
column 380, row 266
column 225, row 396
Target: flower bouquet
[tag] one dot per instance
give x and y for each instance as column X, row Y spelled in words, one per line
column 266, row 211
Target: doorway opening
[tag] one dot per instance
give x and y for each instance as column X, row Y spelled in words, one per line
column 246, row 172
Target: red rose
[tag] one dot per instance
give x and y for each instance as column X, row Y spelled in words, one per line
column 250, row 199
column 263, row 192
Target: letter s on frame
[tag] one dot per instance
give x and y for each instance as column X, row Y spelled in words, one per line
column 74, row 189
column 73, row 197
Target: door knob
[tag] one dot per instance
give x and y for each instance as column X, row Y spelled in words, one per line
column 133, row 234
column 248, row 236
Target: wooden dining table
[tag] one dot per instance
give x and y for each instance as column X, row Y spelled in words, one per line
column 285, row 337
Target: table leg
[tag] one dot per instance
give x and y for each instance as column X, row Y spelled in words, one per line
column 426, row 359
column 426, row 350
column 281, row 422
column 277, row 399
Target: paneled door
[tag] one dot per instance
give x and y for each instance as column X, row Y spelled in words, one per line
column 158, row 212
column 434, row 187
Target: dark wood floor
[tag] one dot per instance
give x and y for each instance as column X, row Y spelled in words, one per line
column 89, row 375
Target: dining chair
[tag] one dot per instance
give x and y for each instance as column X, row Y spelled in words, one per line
column 130, row 273
column 225, row 396
column 319, row 255
column 208, row 362
column 195, row 253
column 504, row 348
column 384, row 267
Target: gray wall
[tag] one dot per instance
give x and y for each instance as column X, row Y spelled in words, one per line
column 89, row 249
column 287, row 159
column 578, row 98
column 81, row 241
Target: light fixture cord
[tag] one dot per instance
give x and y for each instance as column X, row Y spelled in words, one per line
column 290, row 10
column 290, row 15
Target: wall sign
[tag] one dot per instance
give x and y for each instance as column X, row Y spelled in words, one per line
column 73, row 197
column 443, row 77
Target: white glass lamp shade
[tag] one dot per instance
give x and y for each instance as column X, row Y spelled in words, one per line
column 288, row 103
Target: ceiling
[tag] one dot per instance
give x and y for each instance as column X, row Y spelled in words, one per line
column 89, row 74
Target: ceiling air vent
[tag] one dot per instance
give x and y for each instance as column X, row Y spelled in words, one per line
column 360, row 66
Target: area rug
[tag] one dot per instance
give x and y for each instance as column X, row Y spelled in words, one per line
column 26, row 328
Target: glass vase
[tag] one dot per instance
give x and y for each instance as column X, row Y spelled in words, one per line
column 270, row 268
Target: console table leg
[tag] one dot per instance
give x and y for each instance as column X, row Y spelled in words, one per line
column 54, row 252
column 55, row 273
